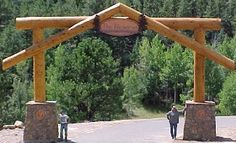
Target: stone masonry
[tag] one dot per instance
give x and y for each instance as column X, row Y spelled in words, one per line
column 41, row 122
column 200, row 121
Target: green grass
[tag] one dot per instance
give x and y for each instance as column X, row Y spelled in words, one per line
column 151, row 112
column 142, row 113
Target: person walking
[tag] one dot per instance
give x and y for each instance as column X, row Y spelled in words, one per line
column 173, row 117
column 64, row 120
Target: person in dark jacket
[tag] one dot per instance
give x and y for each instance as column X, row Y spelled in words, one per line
column 173, row 117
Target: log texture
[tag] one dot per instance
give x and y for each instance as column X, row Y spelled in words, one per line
column 107, row 13
column 39, row 69
column 199, row 69
column 66, row 22
column 60, row 37
column 179, row 38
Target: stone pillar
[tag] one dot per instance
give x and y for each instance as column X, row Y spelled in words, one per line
column 41, row 122
column 200, row 121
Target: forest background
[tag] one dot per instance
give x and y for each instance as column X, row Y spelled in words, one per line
column 95, row 77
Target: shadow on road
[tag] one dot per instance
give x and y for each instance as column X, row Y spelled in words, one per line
column 223, row 139
column 218, row 139
column 68, row 141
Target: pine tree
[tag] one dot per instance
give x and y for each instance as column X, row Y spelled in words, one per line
column 169, row 9
column 150, row 64
column 214, row 77
column 152, row 7
column 22, row 91
column 201, row 7
column 187, row 8
column 134, row 89
column 177, row 70
column 7, row 9
column 94, row 6
column 227, row 96
column 90, row 88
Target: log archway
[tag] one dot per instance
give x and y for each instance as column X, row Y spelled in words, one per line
column 75, row 25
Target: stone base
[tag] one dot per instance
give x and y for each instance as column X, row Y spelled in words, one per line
column 41, row 124
column 200, row 121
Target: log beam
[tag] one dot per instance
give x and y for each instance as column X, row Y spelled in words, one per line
column 39, row 69
column 48, row 43
column 107, row 13
column 59, row 37
column 199, row 69
column 66, row 22
column 179, row 38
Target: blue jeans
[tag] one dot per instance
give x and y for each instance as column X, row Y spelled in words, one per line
column 64, row 126
column 173, row 130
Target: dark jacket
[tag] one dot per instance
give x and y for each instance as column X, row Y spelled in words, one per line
column 173, row 117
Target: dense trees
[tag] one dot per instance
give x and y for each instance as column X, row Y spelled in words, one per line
column 84, row 80
column 97, row 77
column 227, row 104
column 167, row 71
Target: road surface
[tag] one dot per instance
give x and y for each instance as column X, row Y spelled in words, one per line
column 142, row 131
column 129, row 131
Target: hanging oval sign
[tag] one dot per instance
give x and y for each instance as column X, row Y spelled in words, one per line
column 119, row 27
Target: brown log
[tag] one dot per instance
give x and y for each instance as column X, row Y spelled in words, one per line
column 39, row 69
column 199, row 69
column 48, row 43
column 48, row 22
column 180, row 38
column 60, row 37
column 66, row 22
column 133, row 14
column 191, row 23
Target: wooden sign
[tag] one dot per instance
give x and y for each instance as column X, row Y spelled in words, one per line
column 119, row 27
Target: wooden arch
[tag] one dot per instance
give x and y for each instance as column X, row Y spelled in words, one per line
column 75, row 25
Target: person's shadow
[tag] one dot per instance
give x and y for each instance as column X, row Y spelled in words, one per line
column 68, row 141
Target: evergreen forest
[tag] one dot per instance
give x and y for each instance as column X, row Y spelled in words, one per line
column 96, row 77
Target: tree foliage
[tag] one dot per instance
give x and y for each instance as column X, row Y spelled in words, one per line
column 22, row 92
column 227, row 96
column 84, row 80
column 134, row 89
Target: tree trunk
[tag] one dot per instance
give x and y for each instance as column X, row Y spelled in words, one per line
column 175, row 93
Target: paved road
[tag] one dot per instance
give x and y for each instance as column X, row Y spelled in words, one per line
column 129, row 131
column 139, row 131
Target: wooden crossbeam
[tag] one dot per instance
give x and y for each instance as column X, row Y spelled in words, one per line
column 66, row 22
column 179, row 38
column 60, row 37
column 107, row 13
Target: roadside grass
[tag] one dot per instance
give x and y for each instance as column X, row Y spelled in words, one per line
column 143, row 112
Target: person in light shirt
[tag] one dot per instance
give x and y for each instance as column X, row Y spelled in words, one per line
column 64, row 120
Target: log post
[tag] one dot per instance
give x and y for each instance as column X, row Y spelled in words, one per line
column 199, row 68
column 39, row 69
